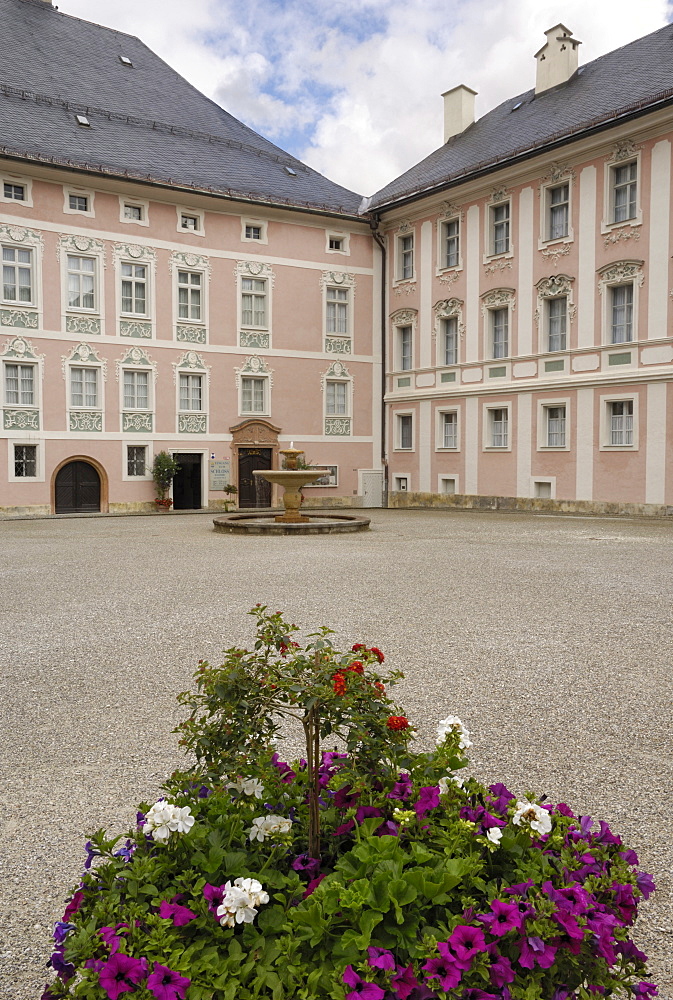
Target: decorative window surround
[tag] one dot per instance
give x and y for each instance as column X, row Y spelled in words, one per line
column 85, row 418
column 16, row 416
column 192, row 421
column 333, row 236
column 544, row 406
column 68, row 209
column 125, row 474
column 337, row 424
column 137, row 421
column 447, row 309
column 134, row 203
column 606, row 428
column 553, row 287
column 82, row 322
column 440, row 429
column 493, row 427
column 404, row 257
column 400, row 319
column 335, row 342
column 24, row 315
column 497, row 298
column 17, row 447
column 250, row 228
column 558, row 174
column 191, row 221
column 138, row 326
column 494, row 229
column 403, row 431
column 624, row 152
column 450, row 213
column 17, row 180
column 256, row 368
column 251, row 336
column 190, row 331
column 624, row 272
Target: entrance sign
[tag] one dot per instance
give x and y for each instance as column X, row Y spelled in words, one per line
column 219, row 473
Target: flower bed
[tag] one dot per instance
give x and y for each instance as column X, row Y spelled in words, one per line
column 371, row 870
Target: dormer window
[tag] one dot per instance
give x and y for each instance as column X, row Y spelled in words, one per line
column 78, row 202
column 133, row 212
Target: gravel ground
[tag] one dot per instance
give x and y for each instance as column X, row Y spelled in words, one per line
column 550, row 637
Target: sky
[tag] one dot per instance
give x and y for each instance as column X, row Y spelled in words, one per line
column 353, row 87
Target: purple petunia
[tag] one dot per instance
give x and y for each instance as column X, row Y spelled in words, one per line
column 344, row 799
column 402, row 788
column 404, row 982
column 534, row 951
column 466, row 942
column 91, row 853
column 364, row 812
column 164, row 984
column 305, row 863
column 501, row 972
column 121, row 974
column 646, row 990
column 428, row 799
column 379, row 958
column 61, row 931
column 359, row 986
column 504, row 917
column 65, row 970
column 111, row 937
column 214, row 894
column 180, row 915
column 645, row 883
column 74, row 905
column 312, row 886
column 445, row 970
column 568, row 923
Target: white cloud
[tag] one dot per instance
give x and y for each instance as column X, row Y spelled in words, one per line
column 354, row 89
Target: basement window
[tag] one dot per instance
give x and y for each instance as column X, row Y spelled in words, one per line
column 83, row 121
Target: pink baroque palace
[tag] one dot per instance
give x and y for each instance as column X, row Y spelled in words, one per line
column 491, row 329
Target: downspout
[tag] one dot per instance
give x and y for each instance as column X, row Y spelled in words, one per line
column 374, row 223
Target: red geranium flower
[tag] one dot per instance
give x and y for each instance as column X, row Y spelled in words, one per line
column 379, row 687
column 339, row 683
column 377, row 653
column 358, row 646
column 357, row 667
column 397, row 722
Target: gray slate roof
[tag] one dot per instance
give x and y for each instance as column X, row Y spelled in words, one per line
column 627, row 81
column 147, row 122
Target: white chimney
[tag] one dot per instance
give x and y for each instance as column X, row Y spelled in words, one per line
column 458, row 110
column 557, row 59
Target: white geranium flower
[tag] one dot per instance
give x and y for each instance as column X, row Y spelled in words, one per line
column 448, row 780
column 240, row 902
column 249, row 786
column 452, row 724
column 533, row 815
column 268, row 826
column 165, row 818
column 182, row 820
column 494, row 835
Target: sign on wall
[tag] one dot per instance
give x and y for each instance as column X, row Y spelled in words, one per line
column 219, row 470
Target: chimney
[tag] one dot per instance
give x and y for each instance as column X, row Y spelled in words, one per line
column 557, row 59
column 458, row 110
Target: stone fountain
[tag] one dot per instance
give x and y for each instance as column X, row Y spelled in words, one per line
column 292, row 521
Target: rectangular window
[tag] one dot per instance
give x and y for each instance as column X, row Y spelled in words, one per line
column 449, row 430
column 133, row 212
column 559, row 204
column 405, row 348
column 500, row 228
column 499, row 332
column 189, row 295
column 336, row 243
column 253, row 232
column 620, row 413
column 78, row 202
column 136, row 460
column 450, row 243
column 136, row 390
column 17, row 275
column 405, row 259
column 190, row 222
column 337, row 310
column 253, row 302
column 81, row 282
column 191, row 391
column 336, row 399
column 84, row 387
column 25, row 461
column 402, row 484
column 624, row 192
column 253, row 395
column 557, row 312
column 621, row 314
column 450, row 340
column 14, row 192
column 499, row 428
column 134, row 289
column 19, row 385
column 405, row 430
column 556, row 426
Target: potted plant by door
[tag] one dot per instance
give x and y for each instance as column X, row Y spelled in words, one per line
column 164, row 468
column 230, row 489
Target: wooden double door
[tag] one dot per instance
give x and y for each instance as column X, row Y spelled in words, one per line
column 253, row 491
column 77, row 489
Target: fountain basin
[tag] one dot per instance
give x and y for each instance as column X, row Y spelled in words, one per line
column 265, row 522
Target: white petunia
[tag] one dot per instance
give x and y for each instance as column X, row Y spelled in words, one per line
column 450, row 779
column 266, row 826
column 529, row 813
column 494, row 835
column 452, row 724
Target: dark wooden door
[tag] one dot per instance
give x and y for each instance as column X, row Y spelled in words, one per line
column 187, row 483
column 253, row 491
column 77, row 489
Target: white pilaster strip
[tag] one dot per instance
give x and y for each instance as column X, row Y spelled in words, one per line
column 655, row 456
column 586, row 275
column 471, row 439
column 424, row 445
column 524, row 310
column 425, row 270
column 523, row 444
column 584, row 469
column 377, row 400
column 472, row 319
column 660, row 211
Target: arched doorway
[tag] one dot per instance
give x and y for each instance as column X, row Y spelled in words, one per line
column 77, row 488
column 254, row 446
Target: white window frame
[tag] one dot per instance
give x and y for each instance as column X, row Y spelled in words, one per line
column 189, row 373
column 17, row 303
column 260, row 224
column 334, row 234
column 491, row 317
column 444, row 322
column 95, row 310
column 398, row 430
column 135, row 369
column 25, row 363
column 606, row 423
column 184, row 320
column 140, row 203
column 543, row 408
column 399, row 355
column 149, row 458
column 25, row 442
column 488, row 428
column 400, row 256
column 347, row 384
column 194, row 213
column 612, row 291
column 545, row 212
column 100, row 387
column 608, row 223
column 547, row 348
column 442, row 479
column 611, row 276
column 442, row 412
column 442, row 225
column 347, row 302
column 490, row 223
column 17, row 180
column 266, row 326
column 147, row 264
column 332, row 478
column 79, row 193
column 266, row 380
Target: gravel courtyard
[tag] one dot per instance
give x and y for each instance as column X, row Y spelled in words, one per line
column 550, row 637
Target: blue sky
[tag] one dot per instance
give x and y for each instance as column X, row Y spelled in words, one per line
column 353, row 87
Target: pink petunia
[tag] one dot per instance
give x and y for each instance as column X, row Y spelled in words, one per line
column 165, row 984
column 121, row 974
column 180, row 915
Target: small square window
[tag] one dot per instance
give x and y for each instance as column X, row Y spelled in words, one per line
column 136, row 460
column 14, row 192
column 253, row 232
column 543, row 489
column 336, row 243
column 78, row 202
column 448, row 485
column 25, row 461
column 133, row 212
column 190, row 222
column 401, row 484
column 254, row 395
